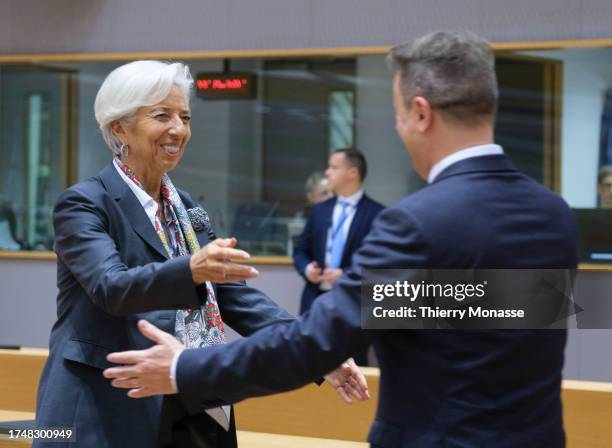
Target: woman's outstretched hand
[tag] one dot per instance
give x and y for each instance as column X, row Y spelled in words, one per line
column 217, row 262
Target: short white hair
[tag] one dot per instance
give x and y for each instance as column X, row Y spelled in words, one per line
column 135, row 85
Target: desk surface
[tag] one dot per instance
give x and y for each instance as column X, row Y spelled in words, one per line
column 9, row 416
column 246, row 439
column 587, row 409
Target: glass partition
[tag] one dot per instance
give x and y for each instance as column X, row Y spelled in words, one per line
column 585, row 128
column 250, row 155
column 36, row 149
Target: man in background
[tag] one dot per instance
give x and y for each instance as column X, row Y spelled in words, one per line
column 604, row 186
column 336, row 227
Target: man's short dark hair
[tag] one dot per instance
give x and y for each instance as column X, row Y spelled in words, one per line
column 453, row 70
column 355, row 158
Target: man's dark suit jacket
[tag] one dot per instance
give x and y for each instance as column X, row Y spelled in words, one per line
column 112, row 270
column 313, row 240
column 438, row 388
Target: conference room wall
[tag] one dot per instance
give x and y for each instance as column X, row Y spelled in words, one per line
column 27, row 310
column 62, row 26
column 28, row 293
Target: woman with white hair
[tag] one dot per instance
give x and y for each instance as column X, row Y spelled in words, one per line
column 131, row 246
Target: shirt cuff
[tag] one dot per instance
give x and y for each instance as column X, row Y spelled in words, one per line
column 173, row 369
column 307, row 270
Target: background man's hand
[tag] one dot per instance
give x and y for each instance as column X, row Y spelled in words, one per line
column 215, row 263
column 331, row 275
column 349, row 382
column 313, row 273
column 146, row 372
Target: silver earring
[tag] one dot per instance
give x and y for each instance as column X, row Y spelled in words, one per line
column 123, row 151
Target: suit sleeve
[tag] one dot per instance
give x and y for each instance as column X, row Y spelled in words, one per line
column 83, row 244
column 288, row 355
column 302, row 254
column 243, row 308
column 247, row 309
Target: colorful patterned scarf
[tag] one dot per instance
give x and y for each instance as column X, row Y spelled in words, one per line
column 194, row 327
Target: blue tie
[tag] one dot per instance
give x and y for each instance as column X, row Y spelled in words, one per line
column 337, row 238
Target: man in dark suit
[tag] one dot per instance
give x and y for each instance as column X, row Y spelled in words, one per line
column 336, row 227
column 438, row 387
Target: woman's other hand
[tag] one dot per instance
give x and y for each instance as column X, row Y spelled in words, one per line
column 216, row 262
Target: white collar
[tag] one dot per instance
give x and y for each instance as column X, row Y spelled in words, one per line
column 467, row 153
column 352, row 200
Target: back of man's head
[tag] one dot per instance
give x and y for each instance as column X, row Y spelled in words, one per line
column 356, row 159
column 453, row 70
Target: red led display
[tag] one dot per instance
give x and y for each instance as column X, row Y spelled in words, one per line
column 226, row 86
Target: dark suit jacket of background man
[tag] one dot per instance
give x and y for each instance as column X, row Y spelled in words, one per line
column 313, row 240
column 101, row 230
column 438, row 388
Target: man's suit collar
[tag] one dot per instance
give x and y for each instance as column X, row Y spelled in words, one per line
column 326, row 207
column 332, row 202
column 488, row 149
column 356, row 226
column 132, row 208
column 353, row 199
column 499, row 162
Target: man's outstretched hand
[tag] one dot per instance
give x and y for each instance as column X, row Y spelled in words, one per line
column 349, row 382
column 145, row 372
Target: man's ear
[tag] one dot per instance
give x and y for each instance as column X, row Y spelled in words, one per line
column 423, row 113
column 119, row 131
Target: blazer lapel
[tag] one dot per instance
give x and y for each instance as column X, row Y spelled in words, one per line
column 326, row 223
column 140, row 221
column 202, row 237
column 131, row 207
column 355, row 227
